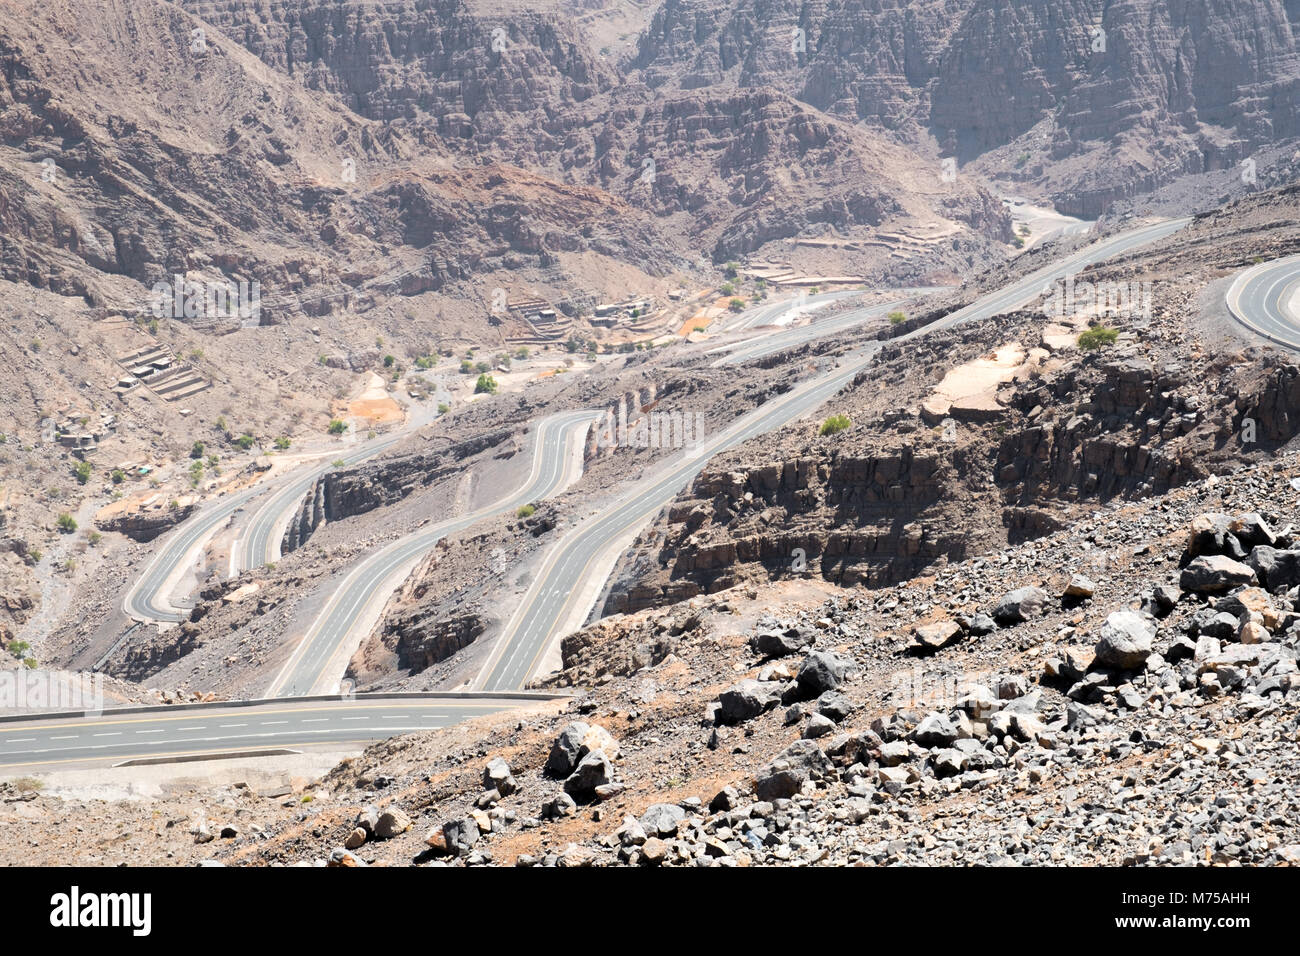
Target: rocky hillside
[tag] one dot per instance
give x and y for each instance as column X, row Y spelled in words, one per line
column 1090, row 100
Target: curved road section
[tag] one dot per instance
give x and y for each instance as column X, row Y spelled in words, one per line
column 562, row 592
column 321, row 657
column 150, row 598
column 1266, row 299
column 573, row 573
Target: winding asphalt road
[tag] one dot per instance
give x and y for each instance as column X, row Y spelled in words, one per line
column 320, row 659
column 1266, row 299
column 150, row 598
column 818, row 328
column 563, row 591
column 561, row 596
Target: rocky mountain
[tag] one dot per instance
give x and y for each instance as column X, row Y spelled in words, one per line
column 1087, row 99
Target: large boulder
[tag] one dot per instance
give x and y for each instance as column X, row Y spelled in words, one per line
column 780, row 643
column 454, row 838
column 746, row 700
column 1126, row 641
column 1022, row 604
column 576, row 741
column 566, row 750
column 1208, row 535
column 784, row 777
column 1252, row 530
column 931, row 637
column 935, row 730
column 391, row 822
column 1277, row 570
column 497, row 776
column 594, row 770
column 820, row 671
column 1214, row 574
column 662, row 819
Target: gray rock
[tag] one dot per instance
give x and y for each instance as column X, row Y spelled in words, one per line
column 834, row 705
column 935, row 730
column 1214, row 574
column 662, row 819
column 818, row 725
column 391, row 822
column 497, row 776
column 594, row 770
column 566, row 751
column 1252, row 530
column 747, row 700
column 782, row 643
column 1079, row 587
column 936, row 635
column 820, row 671
column 1277, row 570
column 1022, row 604
column 784, row 777
column 1126, row 641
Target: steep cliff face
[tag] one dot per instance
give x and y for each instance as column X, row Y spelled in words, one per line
column 345, row 493
column 397, row 59
column 729, row 168
column 1100, row 99
column 898, row 498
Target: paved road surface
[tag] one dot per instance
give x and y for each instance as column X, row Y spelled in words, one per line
column 1266, row 299
column 150, row 598
column 561, row 597
column 319, row 660
column 119, row 736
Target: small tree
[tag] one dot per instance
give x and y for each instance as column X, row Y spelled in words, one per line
column 245, row 441
column 196, row 450
column 834, row 424
column 486, row 385
column 337, row 426
column 82, row 472
column 282, row 443
column 736, row 305
column 1097, row 337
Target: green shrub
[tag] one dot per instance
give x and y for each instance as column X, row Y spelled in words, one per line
column 443, row 408
column 82, row 472
column 736, row 305
column 389, row 360
column 836, row 423
column 1097, row 337
column 337, row 426
column 196, row 450
column 282, row 443
column 66, row 523
column 896, row 317
column 486, row 385
column 525, row 511
column 117, row 476
column 245, row 441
